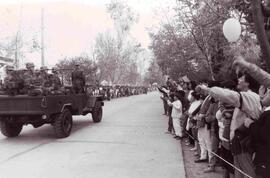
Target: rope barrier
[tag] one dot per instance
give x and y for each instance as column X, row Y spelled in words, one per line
column 236, row 168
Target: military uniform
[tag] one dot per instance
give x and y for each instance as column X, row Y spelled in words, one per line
column 44, row 73
column 29, row 75
column 56, row 82
column 10, row 86
column 78, row 80
column 32, row 80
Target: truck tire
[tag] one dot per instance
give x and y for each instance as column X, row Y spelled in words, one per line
column 63, row 124
column 10, row 129
column 97, row 112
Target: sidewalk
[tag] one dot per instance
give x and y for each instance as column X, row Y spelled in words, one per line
column 195, row 170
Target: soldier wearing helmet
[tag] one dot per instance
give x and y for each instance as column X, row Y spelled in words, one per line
column 37, row 78
column 9, row 70
column 12, row 82
column 30, row 80
column 44, row 73
column 36, row 84
column 78, row 79
column 30, row 67
column 29, row 74
column 56, row 82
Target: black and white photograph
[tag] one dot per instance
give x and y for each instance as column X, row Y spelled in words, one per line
column 134, row 88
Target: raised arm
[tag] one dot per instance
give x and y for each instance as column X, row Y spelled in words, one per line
column 223, row 95
column 256, row 72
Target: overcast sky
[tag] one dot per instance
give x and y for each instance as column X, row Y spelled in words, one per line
column 71, row 26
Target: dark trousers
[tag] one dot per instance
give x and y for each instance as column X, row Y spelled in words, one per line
column 183, row 122
column 165, row 105
column 227, row 155
column 244, row 162
column 170, row 125
column 191, row 141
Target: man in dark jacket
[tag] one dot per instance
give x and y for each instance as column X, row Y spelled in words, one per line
column 78, row 80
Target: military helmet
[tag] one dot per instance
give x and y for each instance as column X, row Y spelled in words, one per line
column 9, row 67
column 37, row 71
column 29, row 65
column 54, row 69
column 42, row 68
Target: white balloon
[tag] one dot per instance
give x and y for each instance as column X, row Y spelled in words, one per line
column 232, row 29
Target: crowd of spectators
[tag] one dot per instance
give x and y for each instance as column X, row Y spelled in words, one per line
column 225, row 123
column 117, row 91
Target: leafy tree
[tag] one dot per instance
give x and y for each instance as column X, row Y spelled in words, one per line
column 117, row 55
column 153, row 74
column 257, row 15
column 192, row 43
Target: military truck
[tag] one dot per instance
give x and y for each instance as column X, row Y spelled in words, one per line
column 57, row 110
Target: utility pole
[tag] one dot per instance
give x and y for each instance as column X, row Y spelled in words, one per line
column 42, row 38
column 16, row 61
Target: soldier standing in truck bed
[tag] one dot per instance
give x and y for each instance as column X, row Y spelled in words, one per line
column 29, row 75
column 36, row 83
column 78, row 80
column 10, row 85
column 55, row 79
column 57, row 87
column 44, row 73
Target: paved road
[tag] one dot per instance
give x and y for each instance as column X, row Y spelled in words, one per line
column 129, row 143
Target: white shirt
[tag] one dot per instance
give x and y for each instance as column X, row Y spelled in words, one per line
column 177, row 109
column 251, row 106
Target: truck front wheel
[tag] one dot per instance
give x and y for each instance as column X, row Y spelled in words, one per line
column 63, row 124
column 10, row 129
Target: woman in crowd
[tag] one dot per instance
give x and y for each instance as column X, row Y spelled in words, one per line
column 177, row 113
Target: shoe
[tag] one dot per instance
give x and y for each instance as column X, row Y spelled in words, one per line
column 196, row 154
column 209, row 169
column 193, row 149
column 200, row 160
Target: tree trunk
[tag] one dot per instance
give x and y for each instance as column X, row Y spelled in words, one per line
column 258, row 19
column 210, row 67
